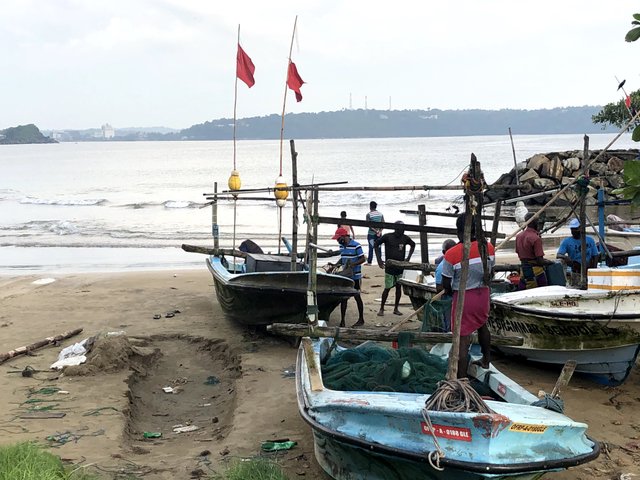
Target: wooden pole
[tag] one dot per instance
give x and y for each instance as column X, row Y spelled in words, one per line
column 424, row 239
column 284, row 101
column 496, row 222
column 39, row 344
column 294, row 223
column 454, row 354
column 515, row 161
column 215, row 229
column 503, row 218
column 312, row 288
column 302, row 330
column 238, row 253
column 583, row 217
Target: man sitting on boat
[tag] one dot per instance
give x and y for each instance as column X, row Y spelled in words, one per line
column 475, row 311
column 570, row 251
column 531, row 255
column 351, row 257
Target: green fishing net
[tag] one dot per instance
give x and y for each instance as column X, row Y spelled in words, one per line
column 372, row 367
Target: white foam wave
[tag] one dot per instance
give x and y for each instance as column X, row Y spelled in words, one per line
column 181, row 204
column 64, row 202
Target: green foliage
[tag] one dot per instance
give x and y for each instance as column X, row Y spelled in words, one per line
column 23, row 134
column 633, row 34
column 28, row 461
column 253, row 469
column 616, row 113
column 631, row 175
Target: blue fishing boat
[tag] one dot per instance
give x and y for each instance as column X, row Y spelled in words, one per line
column 266, row 291
column 378, row 435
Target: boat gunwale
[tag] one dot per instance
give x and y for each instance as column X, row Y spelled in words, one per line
column 475, row 467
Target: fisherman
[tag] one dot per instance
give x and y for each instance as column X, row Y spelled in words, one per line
column 570, row 251
column 374, row 233
column 475, row 311
column 348, row 228
column 395, row 248
column 445, row 299
column 531, row 255
column 351, row 257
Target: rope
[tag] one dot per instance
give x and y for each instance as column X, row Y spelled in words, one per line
column 550, row 403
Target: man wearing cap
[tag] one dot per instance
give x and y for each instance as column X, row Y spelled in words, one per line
column 531, row 255
column 570, row 251
column 395, row 248
column 351, row 255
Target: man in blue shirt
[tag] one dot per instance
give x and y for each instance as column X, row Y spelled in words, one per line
column 570, row 251
column 351, row 255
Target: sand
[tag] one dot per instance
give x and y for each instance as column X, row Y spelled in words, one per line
column 234, row 385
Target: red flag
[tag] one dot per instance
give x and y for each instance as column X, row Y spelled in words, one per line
column 245, row 68
column 627, row 101
column 294, row 82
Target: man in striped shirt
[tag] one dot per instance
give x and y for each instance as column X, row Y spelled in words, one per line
column 475, row 311
column 351, row 256
column 374, row 233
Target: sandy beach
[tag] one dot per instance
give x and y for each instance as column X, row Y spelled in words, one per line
column 237, row 387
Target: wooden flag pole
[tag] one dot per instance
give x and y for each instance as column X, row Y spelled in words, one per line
column 39, row 344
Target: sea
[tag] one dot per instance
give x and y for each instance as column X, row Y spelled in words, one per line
column 123, row 206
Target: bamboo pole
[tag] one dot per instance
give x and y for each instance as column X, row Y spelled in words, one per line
column 284, row 101
column 294, row 215
column 569, row 184
column 515, row 161
column 39, row 344
column 502, row 218
column 215, row 229
column 238, row 253
column 302, row 330
column 506, row 267
column 583, row 218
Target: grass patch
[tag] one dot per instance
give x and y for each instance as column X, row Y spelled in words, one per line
column 253, row 469
column 28, row 461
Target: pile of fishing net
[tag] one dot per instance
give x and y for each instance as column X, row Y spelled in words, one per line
column 372, row 367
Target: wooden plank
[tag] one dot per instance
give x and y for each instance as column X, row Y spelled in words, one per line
column 314, row 373
column 564, row 378
column 303, row 330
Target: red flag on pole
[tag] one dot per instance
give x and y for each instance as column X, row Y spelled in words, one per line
column 627, row 101
column 294, row 82
column 245, row 68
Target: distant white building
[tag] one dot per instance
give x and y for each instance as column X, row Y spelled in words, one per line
column 108, row 131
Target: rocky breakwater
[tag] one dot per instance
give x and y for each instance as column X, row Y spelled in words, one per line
column 551, row 171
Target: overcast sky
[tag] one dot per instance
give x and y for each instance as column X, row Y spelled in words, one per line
column 82, row 63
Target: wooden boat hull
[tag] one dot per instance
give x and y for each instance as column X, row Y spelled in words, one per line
column 381, row 435
column 264, row 298
column 600, row 330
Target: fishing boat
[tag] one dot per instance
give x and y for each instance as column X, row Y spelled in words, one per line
column 377, row 435
column 267, row 291
column 598, row 328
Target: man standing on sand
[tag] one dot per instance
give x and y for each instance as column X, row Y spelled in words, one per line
column 374, row 233
column 475, row 311
column 395, row 246
column 531, row 255
column 351, row 256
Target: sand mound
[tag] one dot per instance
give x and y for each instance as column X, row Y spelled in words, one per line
column 110, row 355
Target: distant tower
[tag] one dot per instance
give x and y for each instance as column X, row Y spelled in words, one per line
column 350, row 102
column 365, row 103
column 108, row 131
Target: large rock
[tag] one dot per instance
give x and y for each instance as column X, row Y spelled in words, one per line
column 615, row 165
column 553, row 170
column 536, row 162
column 616, row 181
column 529, row 175
column 571, row 163
column 543, row 183
column 598, row 168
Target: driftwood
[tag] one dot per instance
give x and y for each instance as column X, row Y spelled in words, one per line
column 34, row 346
column 238, row 253
column 302, row 330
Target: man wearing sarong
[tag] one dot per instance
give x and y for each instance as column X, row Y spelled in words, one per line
column 475, row 311
column 531, row 255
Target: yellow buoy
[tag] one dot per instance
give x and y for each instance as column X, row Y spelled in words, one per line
column 281, row 195
column 234, row 180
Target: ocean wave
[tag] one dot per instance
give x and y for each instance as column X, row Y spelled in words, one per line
column 73, row 202
column 181, row 204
